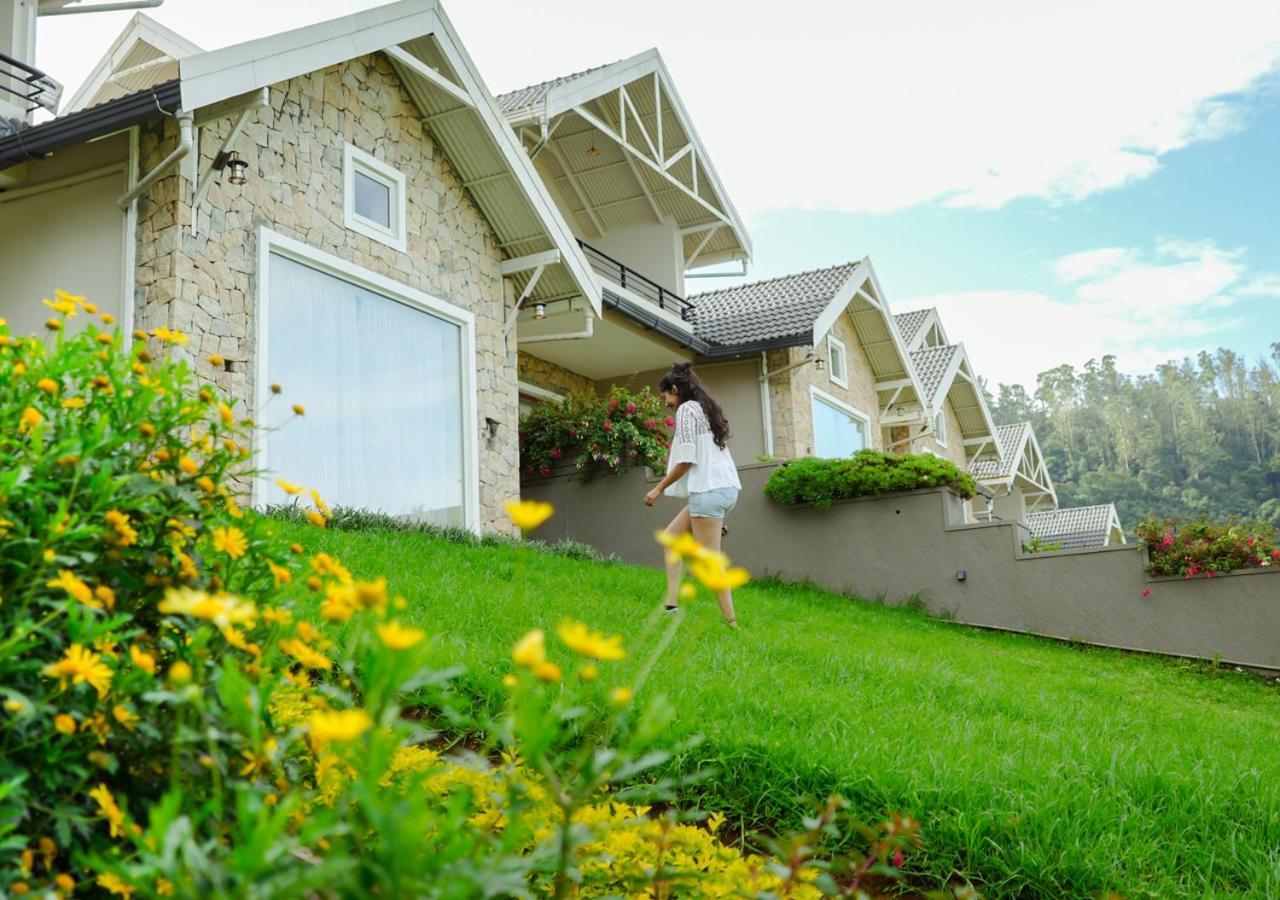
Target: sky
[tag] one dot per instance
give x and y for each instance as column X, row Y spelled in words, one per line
column 1061, row 181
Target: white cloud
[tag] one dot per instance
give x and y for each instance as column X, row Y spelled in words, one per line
column 1143, row 308
column 856, row 106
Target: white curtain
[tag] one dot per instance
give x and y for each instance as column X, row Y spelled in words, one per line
column 835, row 432
column 382, row 386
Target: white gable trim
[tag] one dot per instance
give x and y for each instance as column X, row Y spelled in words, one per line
column 141, row 29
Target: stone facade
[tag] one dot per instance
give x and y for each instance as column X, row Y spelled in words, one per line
column 954, row 449
column 204, row 280
column 791, row 400
column 551, row 377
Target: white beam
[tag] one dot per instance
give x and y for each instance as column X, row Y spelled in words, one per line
column 644, row 132
column 711, row 232
column 532, row 261
column 577, row 188
column 679, row 155
column 626, row 157
column 418, row 67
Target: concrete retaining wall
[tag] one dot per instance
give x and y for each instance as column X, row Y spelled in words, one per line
column 914, row 545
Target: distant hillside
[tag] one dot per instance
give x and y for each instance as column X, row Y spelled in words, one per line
column 1199, row 437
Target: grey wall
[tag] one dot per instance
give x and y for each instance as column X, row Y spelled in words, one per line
column 902, row 545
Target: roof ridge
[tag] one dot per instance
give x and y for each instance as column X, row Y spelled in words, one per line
column 752, row 284
column 560, row 78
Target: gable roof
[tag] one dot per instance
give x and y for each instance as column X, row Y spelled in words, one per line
column 1020, row 462
column 441, row 79
column 934, row 365
column 1083, row 527
column 619, row 143
column 1011, row 439
column 947, row 376
column 144, row 55
column 910, row 323
column 917, row 327
column 777, row 308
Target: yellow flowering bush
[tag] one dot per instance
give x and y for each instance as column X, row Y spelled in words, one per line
column 173, row 724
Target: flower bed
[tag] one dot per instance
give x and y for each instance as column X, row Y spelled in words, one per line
column 868, row 472
column 613, row 432
column 1204, row 549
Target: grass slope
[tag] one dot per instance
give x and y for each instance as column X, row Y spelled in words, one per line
column 1038, row 769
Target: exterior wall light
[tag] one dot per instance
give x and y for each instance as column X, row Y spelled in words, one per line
column 820, row 365
column 231, row 160
column 539, row 310
column 593, row 151
column 961, row 575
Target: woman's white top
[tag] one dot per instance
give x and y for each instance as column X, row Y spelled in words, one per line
column 693, row 442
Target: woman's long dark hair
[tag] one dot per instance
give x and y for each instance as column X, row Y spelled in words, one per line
column 688, row 387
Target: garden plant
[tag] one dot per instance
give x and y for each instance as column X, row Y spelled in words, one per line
column 820, row 482
column 596, row 433
column 1200, row 548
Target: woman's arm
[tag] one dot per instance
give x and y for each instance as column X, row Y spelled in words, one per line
column 677, row 472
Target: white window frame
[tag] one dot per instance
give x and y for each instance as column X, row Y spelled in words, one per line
column 834, row 342
column 817, row 394
column 354, row 159
column 940, row 427
column 272, row 242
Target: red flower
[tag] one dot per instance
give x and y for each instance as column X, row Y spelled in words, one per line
column 613, row 404
column 608, row 426
column 650, row 424
column 1146, row 592
column 897, row 859
column 671, row 423
column 1275, row 554
column 556, row 453
column 544, row 471
column 631, row 407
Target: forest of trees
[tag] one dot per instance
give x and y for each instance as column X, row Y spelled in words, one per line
column 1196, row 438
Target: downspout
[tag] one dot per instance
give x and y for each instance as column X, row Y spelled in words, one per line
column 766, row 405
column 186, row 140
column 587, row 331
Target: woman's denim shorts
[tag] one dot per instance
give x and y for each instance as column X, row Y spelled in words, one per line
column 712, row 504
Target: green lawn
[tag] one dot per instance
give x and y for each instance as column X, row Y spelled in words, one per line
column 1038, row 769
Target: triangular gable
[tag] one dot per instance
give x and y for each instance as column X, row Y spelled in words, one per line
column 632, row 108
column 1021, row 463
column 921, row 328
column 950, row 377
column 145, row 54
column 462, row 115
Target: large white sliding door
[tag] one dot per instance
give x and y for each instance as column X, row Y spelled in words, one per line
column 385, row 376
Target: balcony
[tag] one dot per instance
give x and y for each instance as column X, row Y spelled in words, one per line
column 637, row 284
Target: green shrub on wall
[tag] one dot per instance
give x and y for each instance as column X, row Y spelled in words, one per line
column 866, row 473
column 613, row 432
column 1204, row 549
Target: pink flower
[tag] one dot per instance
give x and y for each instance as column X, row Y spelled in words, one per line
column 1146, row 592
column 631, row 407
column 608, row 426
column 897, row 859
column 1166, row 544
column 556, row 453
column 671, row 423
column 1275, row 554
column 613, row 404
column 650, row 424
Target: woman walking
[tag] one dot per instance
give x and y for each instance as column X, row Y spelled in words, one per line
column 700, row 468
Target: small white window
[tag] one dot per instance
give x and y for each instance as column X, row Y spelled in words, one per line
column 373, row 198
column 837, row 361
column 839, row 430
column 940, row 428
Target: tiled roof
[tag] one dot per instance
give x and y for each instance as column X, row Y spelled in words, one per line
column 931, row 364
column 770, row 310
column 909, row 323
column 533, row 95
column 1009, row 438
column 1075, row 529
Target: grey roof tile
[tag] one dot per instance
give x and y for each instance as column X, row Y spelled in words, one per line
column 931, row 364
column 1083, row 527
column 776, row 309
column 1009, row 439
column 530, row 97
column 909, row 323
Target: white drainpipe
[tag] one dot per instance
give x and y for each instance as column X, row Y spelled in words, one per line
column 766, row 405
column 186, row 141
column 587, row 330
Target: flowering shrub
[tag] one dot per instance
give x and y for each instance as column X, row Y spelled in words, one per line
column 1204, row 548
column 1038, row 544
column 612, row 432
column 867, row 472
column 173, row 724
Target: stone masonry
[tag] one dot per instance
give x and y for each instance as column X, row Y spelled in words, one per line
column 548, row 375
column 203, row 281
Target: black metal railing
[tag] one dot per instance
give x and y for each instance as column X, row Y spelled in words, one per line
column 29, row 84
column 633, row 281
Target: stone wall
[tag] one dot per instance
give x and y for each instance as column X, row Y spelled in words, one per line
column 913, row 547
column 954, row 449
column 548, row 375
column 204, row 281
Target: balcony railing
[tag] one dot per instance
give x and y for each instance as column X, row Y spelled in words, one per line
column 633, row 281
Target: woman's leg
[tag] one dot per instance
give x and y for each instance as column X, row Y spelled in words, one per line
column 707, row 533
column 675, row 566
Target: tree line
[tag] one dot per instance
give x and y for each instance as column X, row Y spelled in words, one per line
column 1195, row 438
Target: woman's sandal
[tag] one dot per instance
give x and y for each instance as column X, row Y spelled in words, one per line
column 732, row 623
column 670, row 609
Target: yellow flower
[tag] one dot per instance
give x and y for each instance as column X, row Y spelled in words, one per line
column 188, row 465
column 205, row 483
column 65, row 882
column 164, row 887
column 684, row 545
column 143, row 660
column 589, row 672
column 105, row 596
column 317, row 519
column 31, row 417
column 48, row 385
column 593, row 644
column 299, row 409
column 529, row 514
column 53, row 325
column 82, row 666
column 75, row 588
column 225, row 412
column 688, row 591
column 289, row 487
column 230, row 541
column 64, row 723
column 125, row 717
column 713, row 573
column 275, row 615
column 320, row 504
column 107, row 318
column 146, row 429
column 339, row 603
column 398, row 637
column 19, row 888
column 510, row 681
column 109, row 810
column 180, row 672
column 620, row 696
column 216, row 360
column 169, row 336
column 49, row 555
column 531, row 649
column 326, row 565
column 547, row 671
column 126, row 535
column 115, row 885
column 223, row 610
column 72, row 403
column 15, row 706
column 65, row 307
column 279, row 573
column 310, row 658
column 346, row 725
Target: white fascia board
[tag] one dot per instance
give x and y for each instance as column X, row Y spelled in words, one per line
column 141, row 28
column 833, row 310
column 218, row 74
column 521, row 166
column 564, row 97
column 904, row 355
column 962, row 358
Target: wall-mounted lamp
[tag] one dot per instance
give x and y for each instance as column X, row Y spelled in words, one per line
column 539, row 310
column 820, row 365
column 809, row 352
column 593, row 151
column 961, row 575
column 491, row 425
column 231, row 160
